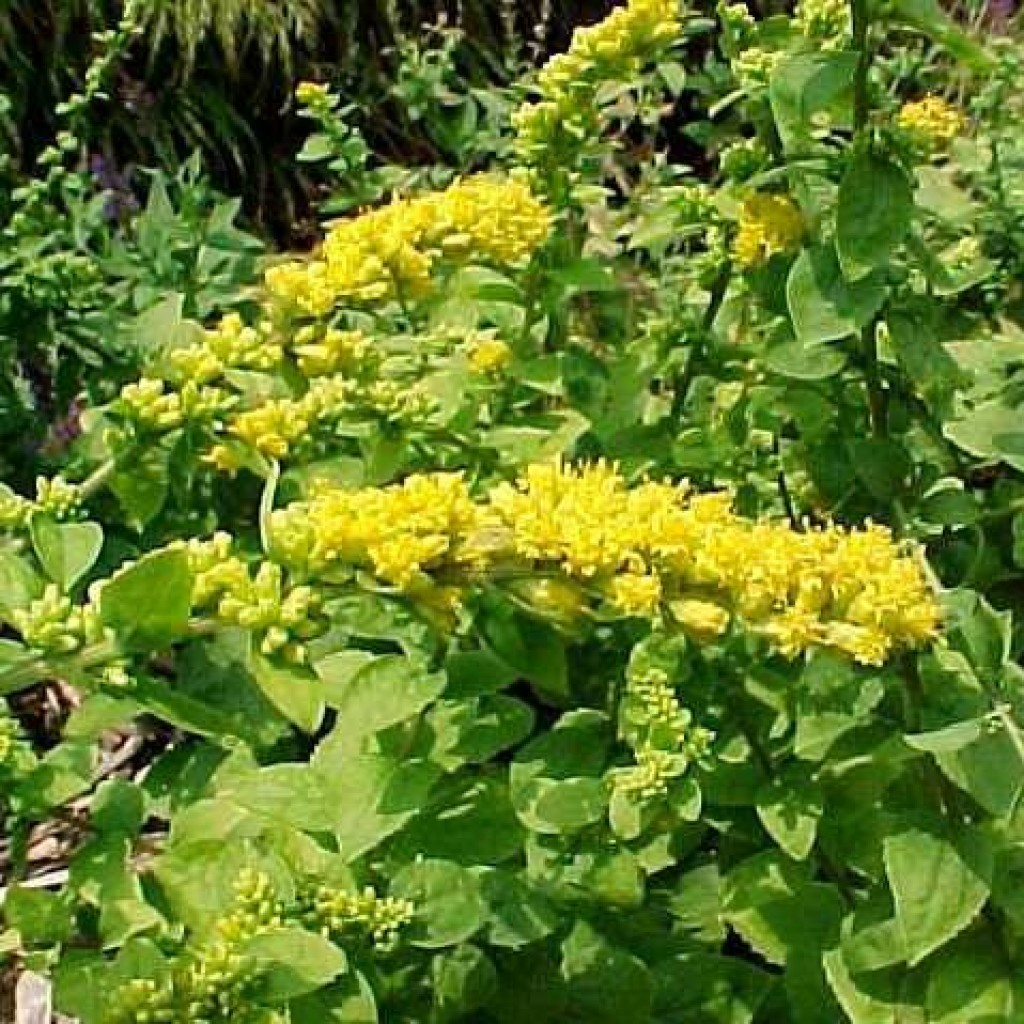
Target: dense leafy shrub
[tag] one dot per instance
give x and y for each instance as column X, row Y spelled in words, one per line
column 576, row 591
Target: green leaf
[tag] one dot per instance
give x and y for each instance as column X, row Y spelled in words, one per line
column 705, row 988
column 349, row 1000
column 390, row 794
column 463, row 980
column 556, row 781
column 533, row 648
column 472, row 825
column 790, row 811
column 876, row 206
column 883, row 465
column 800, row 361
column 66, row 551
column 991, row 430
column 932, row 370
column 517, row 914
column 824, row 306
column 930, row 19
column 449, row 905
column 585, row 275
column 293, row 962
column 148, row 604
column 40, row 916
column 605, row 983
column 696, row 903
column 377, row 695
column 938, row 889
column 811, row 84
column 20, row 584
column 118, row 808
column 293, row 690
column 972, row 984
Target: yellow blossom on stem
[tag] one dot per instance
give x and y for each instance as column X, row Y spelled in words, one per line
column 931, row 122
column 769, row 224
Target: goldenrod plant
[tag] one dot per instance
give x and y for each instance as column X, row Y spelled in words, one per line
column 579, row 589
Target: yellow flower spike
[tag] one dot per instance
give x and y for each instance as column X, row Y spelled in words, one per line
column 389, row 253
column 768, row 224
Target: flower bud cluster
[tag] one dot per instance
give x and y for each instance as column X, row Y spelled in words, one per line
column 338, row 914
column 54, row 625
column 565, row 115
column 825, row 23
column 661, row 733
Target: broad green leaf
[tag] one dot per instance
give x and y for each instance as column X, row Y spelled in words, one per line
column 825, row 307
column 148, row 604
column 293, row 962
column 290, row 794
column 876, row 206
column 883, row 465
column 449, row 905
column 790, row 811
column 517, row 914
column 371, row 796
column 938, row 889
column 883, row 998
column 66, row 551
column 39, row 915
column 608, row 983
column 533, row 648
column 949, row 739
column 378, row 695
column 462, row 980
column 349, row 1000
column 20, row 584
column 696, row 903
column 706, row 988
column 931, row 369
column 801, row 361
column 991, row 430
column 118, row 808
column 810, row 84
column 293, row 690
column 472, row 824
column 972, row 984
column 930, row 19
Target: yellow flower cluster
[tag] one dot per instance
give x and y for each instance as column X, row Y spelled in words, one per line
column 826, row 23
column 769, row 223
column 613, row 49
column 400, row 532
column 653, row 550
column 488, row 355
column 931, row 122
column 390, row 252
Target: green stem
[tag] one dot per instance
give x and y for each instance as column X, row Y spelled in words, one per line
column 877, row 402
column 99, row 478
column 698, row 348
column 860, row 23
